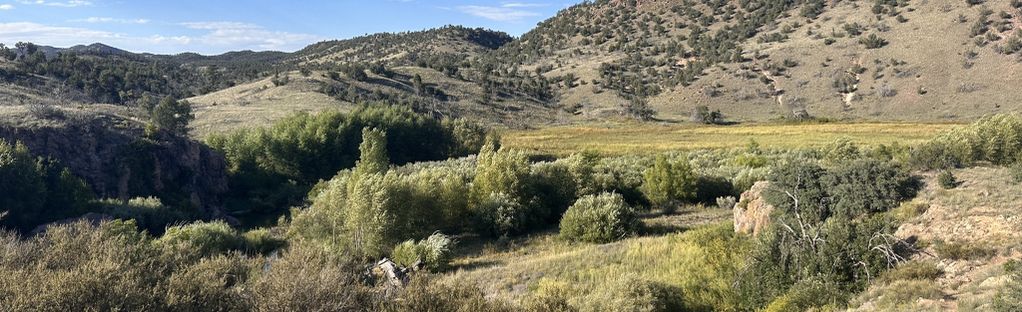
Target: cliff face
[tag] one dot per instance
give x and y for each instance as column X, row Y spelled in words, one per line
column 111, row 154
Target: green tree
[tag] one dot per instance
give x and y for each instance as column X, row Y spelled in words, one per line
column 499, row 170
column 669, row 182
column 34, row 191
column 367, row 217
column 172, row 115
column 373, row 157
column 420, row 88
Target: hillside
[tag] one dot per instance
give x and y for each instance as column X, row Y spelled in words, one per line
column 431, row 71
column 405, row 48
column 754, row 60
column 759, row 60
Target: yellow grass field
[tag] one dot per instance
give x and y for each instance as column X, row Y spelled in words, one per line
column 619, row 139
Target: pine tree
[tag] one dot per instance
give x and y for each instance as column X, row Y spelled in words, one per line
column 420, row 88
column 172, row 115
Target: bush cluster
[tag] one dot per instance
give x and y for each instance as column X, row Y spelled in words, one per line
column 35, row 191
column 433, row 253
column 274, row 168
column 829, row 234
column 599, row 219
column 669, row 182
column 996, row 139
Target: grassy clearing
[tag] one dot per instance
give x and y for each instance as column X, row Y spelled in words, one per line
column 621, row 139
column 691, row 257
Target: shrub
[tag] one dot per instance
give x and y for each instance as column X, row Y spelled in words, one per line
column 406, row 253
column 947, row 180
column 702, row 114
column 422, row 295
column 709, row 188
column 310, row 279
column 598, row 219
column 551, row 295
column 202, row 238
column 824, row 233
column 555, row 187
column 873, row 41
column 902, row 295
column 638, row 108
column 845, row 83
column 938, row 155
column 726, row 203
column 631, row 293
column 467, row 136
column 1009, row 297
column 669, row 182
column 961, row 250
column 908, row 210
column 500, row 171
column 807, row 295
column 367, row 223
column 149, row 213
column 213, row 284
column 434, row 252
column 372, row 153
column 502, row 215
column 914, row 270
column 82, row 267
column 868, row 186
column 622, row 175
column 996, row 138
column 262, row 241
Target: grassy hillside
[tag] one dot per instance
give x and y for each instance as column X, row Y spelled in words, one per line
column 760, row 60
column 755, row 60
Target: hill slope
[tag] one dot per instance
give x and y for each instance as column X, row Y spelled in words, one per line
column 757, row 60
column 434, row 71
column 754, row 60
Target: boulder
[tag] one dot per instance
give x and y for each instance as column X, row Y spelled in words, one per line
column 752, row 213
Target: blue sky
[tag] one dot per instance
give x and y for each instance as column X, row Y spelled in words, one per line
column 213, row 27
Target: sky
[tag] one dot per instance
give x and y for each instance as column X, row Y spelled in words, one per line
column 215, row 26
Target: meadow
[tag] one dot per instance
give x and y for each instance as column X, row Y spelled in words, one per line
column 632, row 138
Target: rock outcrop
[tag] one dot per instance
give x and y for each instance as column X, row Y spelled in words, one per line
column 112, row 155
column 752, row 213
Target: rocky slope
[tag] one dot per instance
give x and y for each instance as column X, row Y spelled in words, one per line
column 105, row 146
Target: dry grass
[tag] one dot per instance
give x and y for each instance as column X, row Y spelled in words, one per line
column 969, row 233
column 620, row 139
column 514, row 269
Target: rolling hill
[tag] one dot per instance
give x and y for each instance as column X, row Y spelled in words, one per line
column 753, row 60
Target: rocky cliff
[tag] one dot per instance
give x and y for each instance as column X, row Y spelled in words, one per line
column 107, row 148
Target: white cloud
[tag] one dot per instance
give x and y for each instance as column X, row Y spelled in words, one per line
column 5, row 7
column 66, row 4
column 508, row 12
column 523, row 5
column 248, row 36
column 212, row 38
column 111, row 20
column 53, row 35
